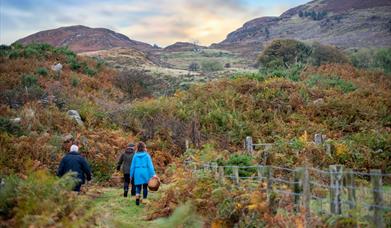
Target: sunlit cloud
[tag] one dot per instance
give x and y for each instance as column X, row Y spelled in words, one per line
column 161, row 22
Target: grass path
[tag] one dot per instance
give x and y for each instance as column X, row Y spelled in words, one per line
column 117, row 211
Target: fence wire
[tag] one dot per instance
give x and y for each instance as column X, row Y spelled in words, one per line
column 358, row 195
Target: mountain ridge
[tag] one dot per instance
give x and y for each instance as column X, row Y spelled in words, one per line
column 343, row 23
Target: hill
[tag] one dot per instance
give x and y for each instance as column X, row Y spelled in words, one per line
column 81, row 38
column 183, row 46
column 345, row 24
column 121, row 57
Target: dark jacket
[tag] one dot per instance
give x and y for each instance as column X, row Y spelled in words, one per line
column 125, row 160
column 73, row 161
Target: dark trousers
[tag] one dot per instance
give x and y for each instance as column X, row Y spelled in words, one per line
column 127, row 182
column 77, row 187
column 145, row 190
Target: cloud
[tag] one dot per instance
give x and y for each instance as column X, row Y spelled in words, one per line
column 154, row 21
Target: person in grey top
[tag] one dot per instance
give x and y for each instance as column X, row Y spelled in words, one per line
column 125, row 161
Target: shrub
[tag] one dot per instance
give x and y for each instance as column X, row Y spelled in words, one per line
column 383, row 59
column 41, row 200
column 74, row 63
column 135, row 83
column 87, row 70
column 333, row 81
column 75, row 81
column 42, row 71
column 284, row 53
column 4, row 50
column 323, row 54
column 242, row 160
column 211, row 65
column 10, row 127
column 29, row 80
column 194, row 67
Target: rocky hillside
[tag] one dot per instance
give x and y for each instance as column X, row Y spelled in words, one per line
column 343, row 23
column 82, row 39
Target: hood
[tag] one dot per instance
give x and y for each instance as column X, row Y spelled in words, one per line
column 74, row 153
column 140, row 154
column 129, row 150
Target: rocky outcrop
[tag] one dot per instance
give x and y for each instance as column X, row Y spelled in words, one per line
column 73, row 114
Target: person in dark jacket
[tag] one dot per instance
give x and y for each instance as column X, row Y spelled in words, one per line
column 74, row 162
column 142, row 171
column 125, row 161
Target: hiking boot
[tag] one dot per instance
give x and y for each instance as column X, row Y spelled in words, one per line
column 125, row 194
column 137, row 202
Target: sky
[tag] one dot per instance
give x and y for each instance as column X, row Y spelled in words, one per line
column 160, row 22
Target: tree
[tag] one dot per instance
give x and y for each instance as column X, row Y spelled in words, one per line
column 301, row 14
column 136, row 83
column 323, row 54
column 283, row 53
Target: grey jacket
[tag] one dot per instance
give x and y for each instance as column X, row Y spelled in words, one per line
column 125, row 160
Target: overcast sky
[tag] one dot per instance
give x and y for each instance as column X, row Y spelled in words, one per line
column 161, row 22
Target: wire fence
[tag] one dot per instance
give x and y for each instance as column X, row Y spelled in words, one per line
column 337, row 191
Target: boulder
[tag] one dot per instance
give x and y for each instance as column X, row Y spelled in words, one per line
column 16, row 120
column 76, row 116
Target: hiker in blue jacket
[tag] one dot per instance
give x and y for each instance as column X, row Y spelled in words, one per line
column 74, row 162
column 142, row 171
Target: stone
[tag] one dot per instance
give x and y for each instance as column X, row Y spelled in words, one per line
column 76, row 116
column 57, row 67
column 318, row 139
column 319, row 101
column 67, row 137
column 30, row 114
column 16, row 120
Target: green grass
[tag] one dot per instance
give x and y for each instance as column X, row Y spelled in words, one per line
column 118, row 211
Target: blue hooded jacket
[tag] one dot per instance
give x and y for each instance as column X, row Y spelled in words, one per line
column 142, row 169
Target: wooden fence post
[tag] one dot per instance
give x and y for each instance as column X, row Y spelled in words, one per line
column 378, row 212
column 336, row 174
column 215, row 170
column 297, row 187
column 249, row 144
column 307, row 196
column 235, row 170
column 351, row 186
column 221, row 175
column 206, row 167
column 269, row 176
column 260, row 170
